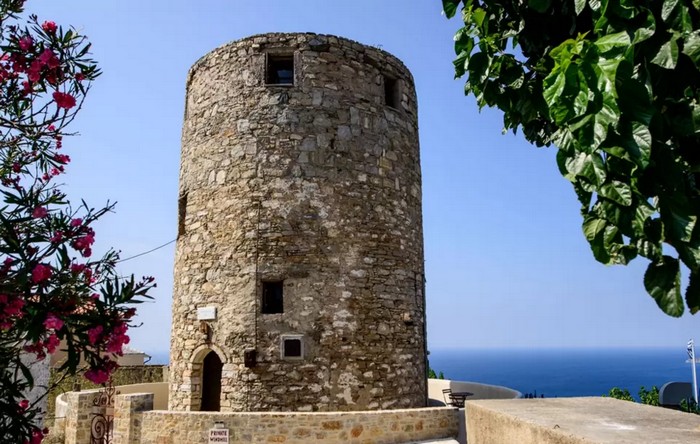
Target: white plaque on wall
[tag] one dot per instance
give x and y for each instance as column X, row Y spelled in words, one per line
column 217, row 435
column 206, row 313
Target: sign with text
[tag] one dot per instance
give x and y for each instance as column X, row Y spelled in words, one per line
column 218, row 436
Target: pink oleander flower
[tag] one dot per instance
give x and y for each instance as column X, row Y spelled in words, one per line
column 41, row 273
column 84, row 242
column 94, row 334
column 64, row 100
column 49, row 27
column 49, row 59
column 26, row 42
column 77, row 268
column 40, row 212
column 61, row 158
column 34, row 71
column 76, row 222
column 97, row 376
column 52, row 343
column 57, row 237
column 53, row 322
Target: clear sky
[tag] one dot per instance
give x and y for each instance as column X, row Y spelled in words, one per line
column 506, row 262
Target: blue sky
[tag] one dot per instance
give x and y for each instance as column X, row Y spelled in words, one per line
column 506, row 262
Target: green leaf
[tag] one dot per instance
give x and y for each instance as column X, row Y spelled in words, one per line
column 667, row 55
column 613, row 41
column 691, row 47
column 617, row 191
column 662, row 281
column 449, row 7
column 692, row 293
column 647, row 30
column 667, row 9
column 595, row 231
column 579, row 5
column 642, row 137
column 539, row 5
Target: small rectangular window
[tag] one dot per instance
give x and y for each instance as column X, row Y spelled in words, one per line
column 391, row 92
column 292, row 346
column 279, row 70
column 272, row 297
column 181, row 214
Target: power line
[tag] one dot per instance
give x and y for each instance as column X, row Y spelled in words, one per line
column 146, row 252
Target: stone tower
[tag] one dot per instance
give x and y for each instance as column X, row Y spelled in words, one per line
column 299, row 265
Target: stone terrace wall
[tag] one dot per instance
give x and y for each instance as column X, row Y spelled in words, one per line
column 378, row 427
column 316, row 184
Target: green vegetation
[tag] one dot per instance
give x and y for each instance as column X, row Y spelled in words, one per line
column 649, row 397
column 615, row 85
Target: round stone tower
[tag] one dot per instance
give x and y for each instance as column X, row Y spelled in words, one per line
column 299, row 266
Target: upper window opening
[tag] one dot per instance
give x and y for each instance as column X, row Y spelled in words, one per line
column 391, row 92
column 272, row 297
column 280, row 70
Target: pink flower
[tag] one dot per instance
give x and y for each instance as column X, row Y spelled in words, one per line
column 64, row 100
column 34, row 71
column 77, row 268
column 62, row 158
column 24, row 404
column 51, row 343
column 25, row 43
column 40, row 212
column 41, row 273
column 76, row 222
column 51, row 128
column 49, row 59
column 94, row 334
column 97, row 376
column 52, row 321
column 80, row 77
column 83, row 242
column 57, row 237
column 49, row 27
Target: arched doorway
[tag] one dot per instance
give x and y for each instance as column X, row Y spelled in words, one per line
column 211, row 383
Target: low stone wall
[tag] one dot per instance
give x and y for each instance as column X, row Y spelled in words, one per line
column 577, row 421
column 370, row 427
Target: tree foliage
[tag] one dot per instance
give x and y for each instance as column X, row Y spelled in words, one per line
column 648, row 397
column 615, row 86
column 53, row 294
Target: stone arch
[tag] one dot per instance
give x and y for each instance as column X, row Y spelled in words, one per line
column 207, row 364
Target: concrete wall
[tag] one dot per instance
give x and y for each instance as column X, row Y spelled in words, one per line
column 577, row 421
column 481, row 391
column 316, row 184
column 375, row 427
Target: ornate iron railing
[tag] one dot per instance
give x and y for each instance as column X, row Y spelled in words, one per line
column 103, row 415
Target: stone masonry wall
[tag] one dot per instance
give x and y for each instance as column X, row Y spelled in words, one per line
column 396, row 426
column 317, row 185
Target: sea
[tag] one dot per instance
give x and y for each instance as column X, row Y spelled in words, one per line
column 558, row 372
column 565, row 372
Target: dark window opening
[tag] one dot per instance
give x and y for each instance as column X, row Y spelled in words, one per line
column 181, row 214
column 273, row 297
column 292, row 348
column 391, row 92
column 280, row 70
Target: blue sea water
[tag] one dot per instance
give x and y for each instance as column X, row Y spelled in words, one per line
column 565, row 372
